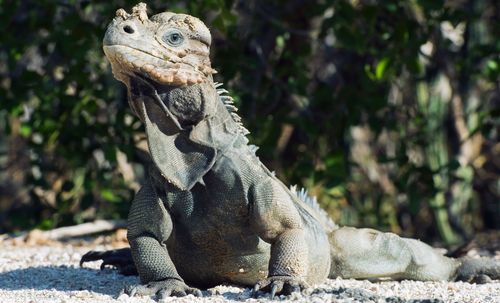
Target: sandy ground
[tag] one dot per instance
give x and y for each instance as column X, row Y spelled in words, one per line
column 44, row 273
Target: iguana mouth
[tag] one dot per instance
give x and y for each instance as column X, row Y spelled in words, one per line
column 127, row 60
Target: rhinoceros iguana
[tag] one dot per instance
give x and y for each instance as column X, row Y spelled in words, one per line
column 211, row 212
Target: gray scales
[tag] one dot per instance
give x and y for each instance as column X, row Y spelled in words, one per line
column 211, row 212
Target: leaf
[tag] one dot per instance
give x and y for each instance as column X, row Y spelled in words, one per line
column 280, row 42
column 492, row 65
column 108, row 195
column 381, row 69
column 25, row 131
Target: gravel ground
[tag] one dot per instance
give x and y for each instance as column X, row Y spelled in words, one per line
column 50, row 273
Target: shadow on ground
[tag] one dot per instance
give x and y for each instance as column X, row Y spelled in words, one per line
column 109, row 282
column 334, row 294
column 362, row 295
column 65, row 278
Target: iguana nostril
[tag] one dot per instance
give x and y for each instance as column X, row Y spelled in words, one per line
column 128, row 29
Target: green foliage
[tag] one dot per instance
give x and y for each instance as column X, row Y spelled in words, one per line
column 383, row 109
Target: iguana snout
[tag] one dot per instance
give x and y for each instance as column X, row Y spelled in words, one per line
column 168, row 48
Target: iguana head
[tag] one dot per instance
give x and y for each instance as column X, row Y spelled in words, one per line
column 164, row 62
column 168, row 48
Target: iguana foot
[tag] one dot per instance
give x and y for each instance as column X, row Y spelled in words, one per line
column 478, row 270
column 163, row 289
column 284, row 285
column 120, row 259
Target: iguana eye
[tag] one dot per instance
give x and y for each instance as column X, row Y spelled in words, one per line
column 173, row 38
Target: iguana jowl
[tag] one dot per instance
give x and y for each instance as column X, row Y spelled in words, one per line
column 211, row 212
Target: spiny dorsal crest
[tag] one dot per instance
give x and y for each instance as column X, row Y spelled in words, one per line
column 228, row 102
column 304, row 196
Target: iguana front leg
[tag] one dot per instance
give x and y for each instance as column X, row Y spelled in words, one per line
column 287, row 265
column 149, row 227
column 277, row 221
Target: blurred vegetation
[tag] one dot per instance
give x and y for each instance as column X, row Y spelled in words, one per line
column 387, row 111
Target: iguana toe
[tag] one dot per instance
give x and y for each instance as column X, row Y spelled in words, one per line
column 478, row 270
column 283, row 285
column 120, row 259
column 163, row 289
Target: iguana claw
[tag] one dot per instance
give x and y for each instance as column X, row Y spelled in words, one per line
column 120, row 259
column 163, row 289
column 283, row 285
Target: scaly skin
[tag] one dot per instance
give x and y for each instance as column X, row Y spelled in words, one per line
column 211, row 212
